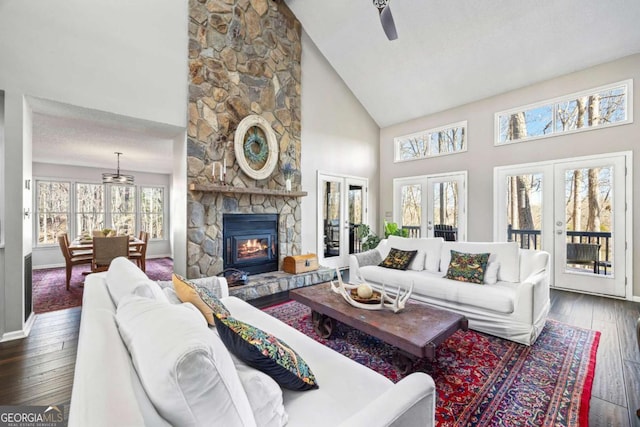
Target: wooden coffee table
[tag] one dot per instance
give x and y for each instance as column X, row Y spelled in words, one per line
column 415, row 331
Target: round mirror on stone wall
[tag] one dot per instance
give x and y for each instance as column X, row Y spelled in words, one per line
column 256, row 147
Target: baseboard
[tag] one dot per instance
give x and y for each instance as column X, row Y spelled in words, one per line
column 23, row 333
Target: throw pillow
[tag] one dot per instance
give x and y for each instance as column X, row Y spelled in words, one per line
column 201, row 297
column 491, row 273
column 267, row 353
column 184, row 368
column 467, row 267
column 398, row 259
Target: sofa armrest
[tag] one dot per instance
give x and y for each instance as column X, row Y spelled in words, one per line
column 409, row 403
column 370, row 257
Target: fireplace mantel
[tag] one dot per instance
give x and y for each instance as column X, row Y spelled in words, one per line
column 240, row 190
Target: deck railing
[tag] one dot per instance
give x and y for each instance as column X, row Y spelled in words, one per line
column 530, row 239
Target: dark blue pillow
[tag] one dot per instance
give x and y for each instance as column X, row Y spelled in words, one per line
column 266, row 353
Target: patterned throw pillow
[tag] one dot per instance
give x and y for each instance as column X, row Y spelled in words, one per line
column 467, row 267
column 201, row 297
column 398, row 260
column 266, row 353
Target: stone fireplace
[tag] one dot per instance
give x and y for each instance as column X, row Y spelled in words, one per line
column 250, row 242
column 244, row 58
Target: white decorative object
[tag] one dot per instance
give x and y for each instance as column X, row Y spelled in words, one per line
column 365, row 291
column 287, row 184
column 243, row 142
column 395, row 304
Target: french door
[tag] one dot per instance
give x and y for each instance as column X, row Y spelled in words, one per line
column 432, row 205
column 342, row 208
column 576, row 209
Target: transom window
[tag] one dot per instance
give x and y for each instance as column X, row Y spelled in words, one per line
column 448, row 139
column 594, row 108
column 126, row 209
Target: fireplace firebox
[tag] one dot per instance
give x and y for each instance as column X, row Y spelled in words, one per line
column 250, row 242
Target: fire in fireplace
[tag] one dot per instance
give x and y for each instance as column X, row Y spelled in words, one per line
column 250, row 242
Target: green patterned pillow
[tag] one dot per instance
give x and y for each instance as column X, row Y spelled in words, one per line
column 266, row 353
column 398, row 260
column 467, row 267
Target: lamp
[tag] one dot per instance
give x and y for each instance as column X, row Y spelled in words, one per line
column 117, row 178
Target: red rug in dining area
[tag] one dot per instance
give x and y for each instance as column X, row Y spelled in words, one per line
column 49, row 285
column 483, row 380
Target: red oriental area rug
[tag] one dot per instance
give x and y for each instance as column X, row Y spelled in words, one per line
column 49, row 285
column 483, row 380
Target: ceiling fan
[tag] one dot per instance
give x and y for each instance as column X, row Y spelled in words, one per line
column 386, row 19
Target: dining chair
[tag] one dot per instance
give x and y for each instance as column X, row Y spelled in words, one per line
column 105, row 249
column 139, row 253
column 71, row 259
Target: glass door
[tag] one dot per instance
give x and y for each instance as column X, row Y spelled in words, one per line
column 342, row 208
column 575, row 210
column 432, row 205
column 447, row 207
column 590, row 225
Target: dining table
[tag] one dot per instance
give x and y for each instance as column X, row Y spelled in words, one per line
column 86, row 245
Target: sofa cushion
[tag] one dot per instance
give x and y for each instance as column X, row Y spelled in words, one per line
column 184, row 368
column 430, row 247
column 267, row 353
column 122, row 278
column 505, row 252
column 498, row 298
column 491, row 272
column 199, row 296
column 398, row 259
column 150, row 289
column 465, row 267
column 356, row 384
column 264, row 394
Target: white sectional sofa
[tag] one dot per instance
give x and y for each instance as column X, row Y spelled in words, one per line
column 515, row 307
column 109, row 389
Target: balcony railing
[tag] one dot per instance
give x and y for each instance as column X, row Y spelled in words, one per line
column 530, row 239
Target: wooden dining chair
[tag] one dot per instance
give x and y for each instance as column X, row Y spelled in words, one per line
column 139, row 253
column 105, row 249
column 71, row 259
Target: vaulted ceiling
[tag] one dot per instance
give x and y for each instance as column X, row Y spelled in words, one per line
column 452, row 52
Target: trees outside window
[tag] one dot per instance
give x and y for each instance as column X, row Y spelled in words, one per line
column 593, row 108
column 433, row 142
column 53, row 210
column 152, row 211
column 89, row 208
column 77, row 208
column 122, row 201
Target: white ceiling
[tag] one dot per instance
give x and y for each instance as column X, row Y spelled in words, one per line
column 69, row 135
column 452, row 52
column 448, row 53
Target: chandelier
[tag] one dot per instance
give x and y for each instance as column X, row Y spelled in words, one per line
column 117, row 178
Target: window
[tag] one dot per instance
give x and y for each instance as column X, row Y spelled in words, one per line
column 77, row 208
column 89, row 208
column 53, row 210
column 433, row 142
column 123, row 208
column 152, row 211
column 595, row 108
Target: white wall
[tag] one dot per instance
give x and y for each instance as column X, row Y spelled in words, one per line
column 483, row 156
column 338, row 136
column 50, row 256
column 127, row 58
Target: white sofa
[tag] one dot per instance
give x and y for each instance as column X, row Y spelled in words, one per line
column 515, row 307
column 109, row 391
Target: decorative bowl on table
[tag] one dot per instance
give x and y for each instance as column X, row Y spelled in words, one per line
column 373, row 299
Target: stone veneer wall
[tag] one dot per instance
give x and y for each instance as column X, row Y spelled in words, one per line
column 244, row 58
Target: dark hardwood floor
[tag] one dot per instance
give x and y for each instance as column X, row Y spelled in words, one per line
column 38, row 370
